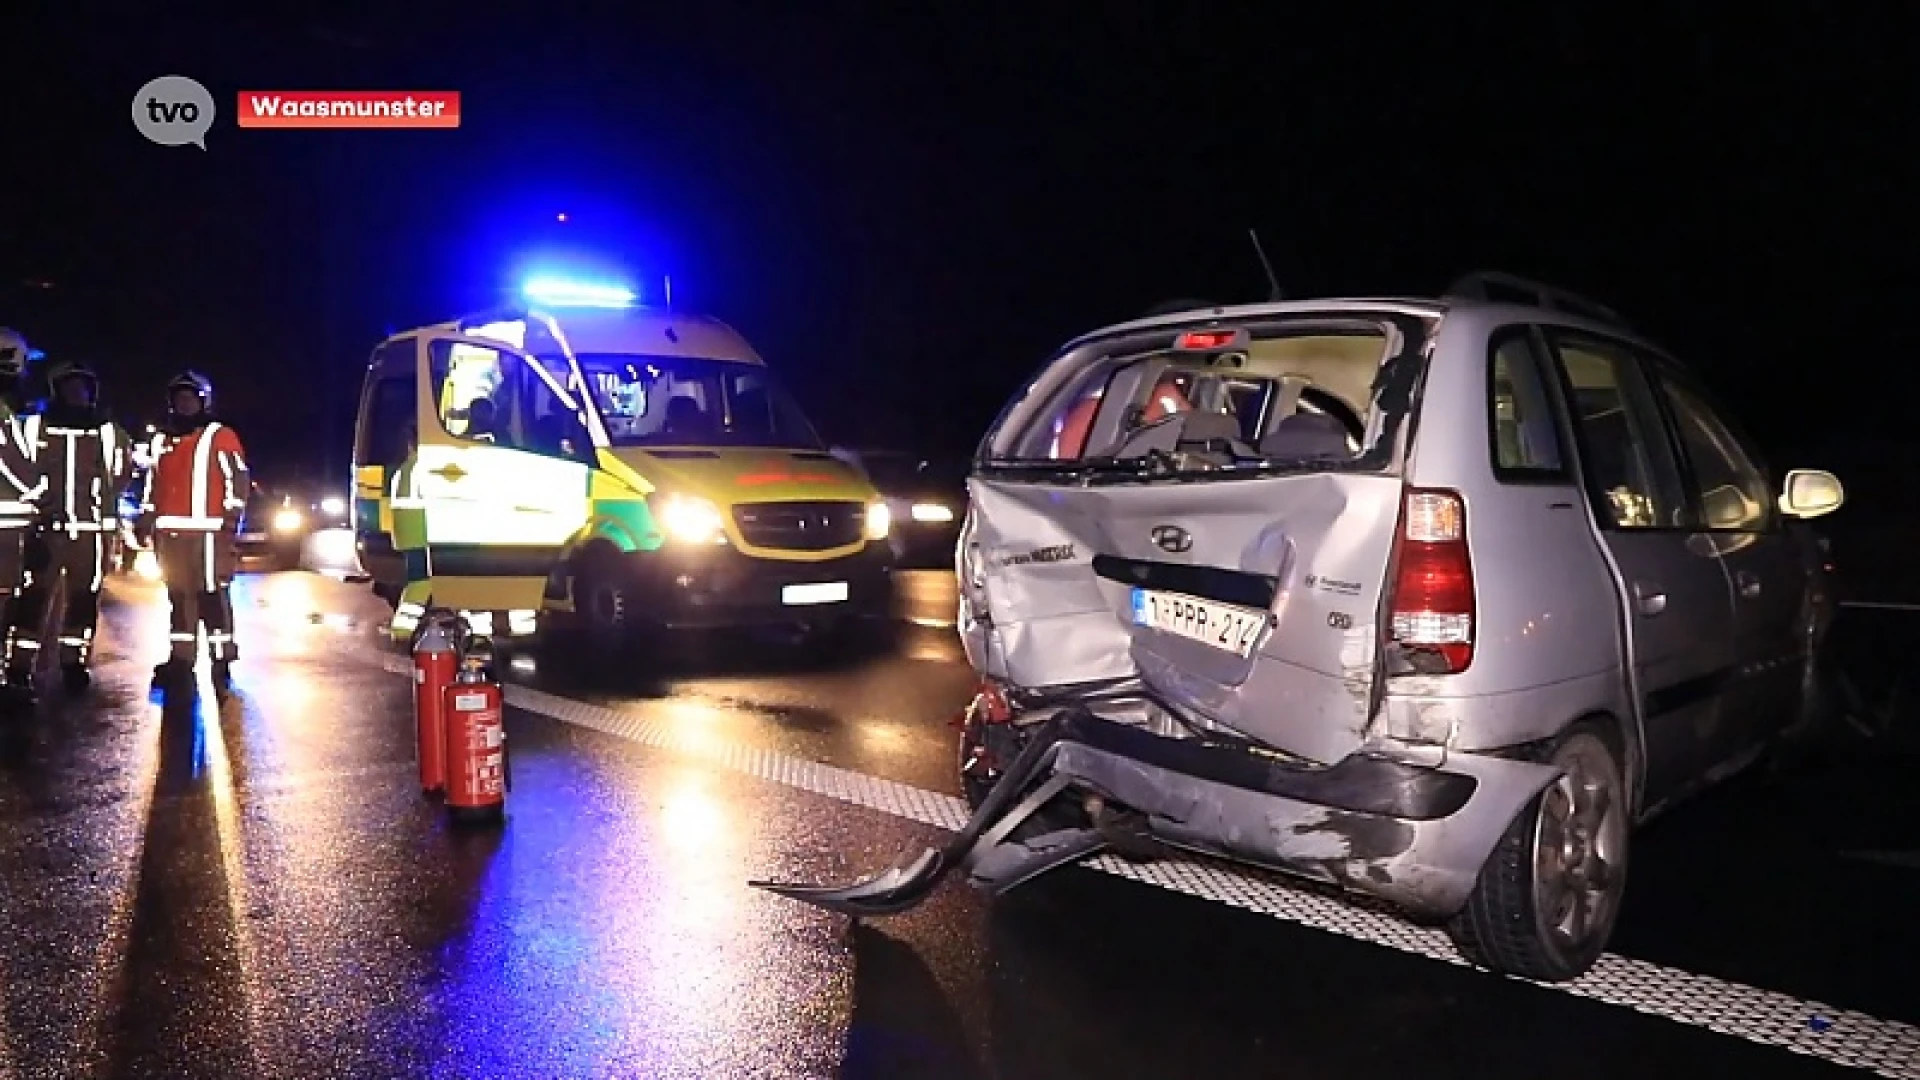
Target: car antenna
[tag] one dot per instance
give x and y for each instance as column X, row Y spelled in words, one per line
column 1273, row 282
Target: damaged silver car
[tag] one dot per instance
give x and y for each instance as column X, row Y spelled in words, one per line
column 1434, row 600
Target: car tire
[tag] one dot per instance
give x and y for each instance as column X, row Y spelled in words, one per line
column 1553, row 928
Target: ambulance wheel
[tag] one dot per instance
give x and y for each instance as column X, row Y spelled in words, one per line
column 604, row 603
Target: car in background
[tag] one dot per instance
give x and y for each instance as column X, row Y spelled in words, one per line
column 926, row 497
column 279, row 523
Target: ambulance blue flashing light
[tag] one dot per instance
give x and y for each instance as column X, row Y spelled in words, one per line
column 564, row 293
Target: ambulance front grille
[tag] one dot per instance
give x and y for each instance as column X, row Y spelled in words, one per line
column 801, row 526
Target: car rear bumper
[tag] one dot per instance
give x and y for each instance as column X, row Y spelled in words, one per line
column 1413, row 835
column 722, row 588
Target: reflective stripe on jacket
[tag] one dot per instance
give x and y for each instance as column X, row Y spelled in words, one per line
column 21, row 482
column 199, row 481
column 83, row 471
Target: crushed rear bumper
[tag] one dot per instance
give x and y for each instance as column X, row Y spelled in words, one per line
column 1412, row 835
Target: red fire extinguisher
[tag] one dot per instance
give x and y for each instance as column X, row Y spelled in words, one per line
column 476, row 740
column 436, row 657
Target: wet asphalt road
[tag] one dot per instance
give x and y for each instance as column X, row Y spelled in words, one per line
column 260, row 891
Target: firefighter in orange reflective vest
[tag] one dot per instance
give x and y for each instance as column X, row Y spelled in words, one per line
column 21, row 485
column 196, row 493
column 1071, row 430
column 84, row 457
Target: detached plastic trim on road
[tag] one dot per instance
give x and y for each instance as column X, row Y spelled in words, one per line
column 1885, row 1047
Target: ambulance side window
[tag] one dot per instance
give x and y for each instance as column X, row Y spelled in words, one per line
column 390, row 411
column 484, row 395
column 543, row 422
column 389, row 407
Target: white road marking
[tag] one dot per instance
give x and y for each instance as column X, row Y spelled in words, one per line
column 1885, row 1047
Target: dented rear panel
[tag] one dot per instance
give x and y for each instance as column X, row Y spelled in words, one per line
column 1267, row 623
column 1248, row 595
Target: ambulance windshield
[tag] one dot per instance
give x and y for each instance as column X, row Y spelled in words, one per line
column 683, row 401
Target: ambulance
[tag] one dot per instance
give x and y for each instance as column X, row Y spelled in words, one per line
column 588, row 463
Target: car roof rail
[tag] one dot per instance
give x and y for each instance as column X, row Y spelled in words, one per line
column 1496, row 287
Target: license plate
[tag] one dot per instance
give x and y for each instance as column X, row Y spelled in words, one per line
column 1222, row 626
column 253, row 538
column 823, row 592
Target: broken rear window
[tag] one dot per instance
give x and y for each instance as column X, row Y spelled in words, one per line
column 1221, row 398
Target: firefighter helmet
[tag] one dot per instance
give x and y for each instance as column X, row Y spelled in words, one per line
column 62, row 370
column 194, row 383
column 14, row 353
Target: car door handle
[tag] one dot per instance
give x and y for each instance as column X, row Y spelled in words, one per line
column 450, row 472
column 1748, row 583
column 1651, row 599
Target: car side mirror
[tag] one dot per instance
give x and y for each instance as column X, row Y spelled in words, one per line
column 1810, row 493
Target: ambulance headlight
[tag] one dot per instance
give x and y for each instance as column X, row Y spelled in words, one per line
column 932, row 513
column 288, row 521
column 692, row 520
column 333, row 504
column 879, row 521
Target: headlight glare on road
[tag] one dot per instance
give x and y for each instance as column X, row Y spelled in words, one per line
column 879, row 521
column 931, row 513
column 692, row 520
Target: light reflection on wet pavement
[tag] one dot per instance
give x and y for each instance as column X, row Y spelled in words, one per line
column 259, row 890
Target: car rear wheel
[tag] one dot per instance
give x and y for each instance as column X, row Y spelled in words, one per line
column 1549, row 894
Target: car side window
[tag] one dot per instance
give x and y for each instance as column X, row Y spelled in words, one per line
column 1630, row 468
column 1525, row 437
column 1732, row 491
column 487, row 395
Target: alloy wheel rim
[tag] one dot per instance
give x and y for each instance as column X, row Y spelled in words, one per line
column 1579, row 850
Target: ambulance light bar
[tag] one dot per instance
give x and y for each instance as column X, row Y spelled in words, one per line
column 559, row 292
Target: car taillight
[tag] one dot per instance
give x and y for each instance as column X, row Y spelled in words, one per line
column 1207, row 340
column 1432, row 610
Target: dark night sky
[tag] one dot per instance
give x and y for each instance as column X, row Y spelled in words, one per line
column 906, row 213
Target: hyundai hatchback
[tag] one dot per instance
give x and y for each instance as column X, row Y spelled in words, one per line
column 1431, row 599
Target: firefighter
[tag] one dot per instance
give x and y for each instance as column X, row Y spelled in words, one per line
column 21, row 483
column 1070, row 438
column 196, row 493
column 84, row 457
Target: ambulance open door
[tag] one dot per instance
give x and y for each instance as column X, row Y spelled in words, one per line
column 502, row 471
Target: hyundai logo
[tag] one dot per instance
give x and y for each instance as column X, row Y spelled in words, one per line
column 1172, row 538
